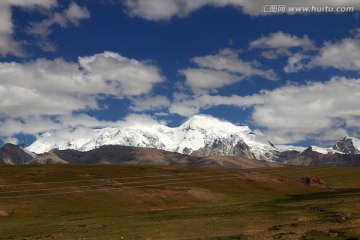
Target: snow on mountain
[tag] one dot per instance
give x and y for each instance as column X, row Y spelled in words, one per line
column 356, row 143
column 197, row 132
column 324, row 150
column 283, row 148
column 349, row 145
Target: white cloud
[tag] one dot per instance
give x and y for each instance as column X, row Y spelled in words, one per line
column 353, row 122
column 17, row 101
column 275, row 53
column 43, row 94
column 50, row 87
column 186, row 109
column 14, row 141
column 74, row 13
column 228, row 60
column 86, row 121
column 65, row 126
column 153, row 9
column 280, row 44
column 190, row 105
column 140, row 120
column 292, row 113
column 149, row 103
column 122, row 76
column 9, row 45
column 343, row 55
column 87, row 130
column 70, row 16
column 296, row 63
column 83, row 120
column 313, row 109
column 27, row 125
column 156, row 10
column 222, row 69
column 283, row 40
column 198, row 78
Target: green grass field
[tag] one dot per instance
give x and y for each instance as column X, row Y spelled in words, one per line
column 150, row 202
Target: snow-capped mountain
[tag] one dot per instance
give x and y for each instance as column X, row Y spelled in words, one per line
column 325, row 150
column 348, row 145
column 196, row 133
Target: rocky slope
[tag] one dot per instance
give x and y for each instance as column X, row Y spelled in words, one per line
column 314, row 158
column 218, row 148
column 348, row 145
column 13, row 154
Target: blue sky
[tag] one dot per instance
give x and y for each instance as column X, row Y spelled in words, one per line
column 71, row 66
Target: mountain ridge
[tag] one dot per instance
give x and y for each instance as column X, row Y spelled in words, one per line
column 115, row 154
column 200, row 136
column 198, row 132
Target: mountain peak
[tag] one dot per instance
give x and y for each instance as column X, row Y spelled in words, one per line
column 210, row 122
column 13, row 154
column 349, row 145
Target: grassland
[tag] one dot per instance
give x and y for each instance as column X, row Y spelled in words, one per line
column 150, row 202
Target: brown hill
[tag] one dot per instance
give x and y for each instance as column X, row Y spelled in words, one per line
column 312, row 158
column 145, row 156
column 12, row 154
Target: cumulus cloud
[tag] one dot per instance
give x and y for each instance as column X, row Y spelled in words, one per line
column 190, row 105
column 228, row 60
column 156, row 10
column 343, row 55
column 149, row 103
column 17, row 101
column 275, row 53
column 9, row 45
column 53, row 88
column 282, row 40
column 123, row 76
column 83, row 120
column 67, row 126
column 79, row 130
column 296, row 63
column 70, row 16
column 153, row 9
column 11, row 140
column 292, row 113
column 222, row 69
column 186, row 110
column 353, row 122
column 11, row 126
column 140, row 120
column 279, row 44
column 198, row 78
